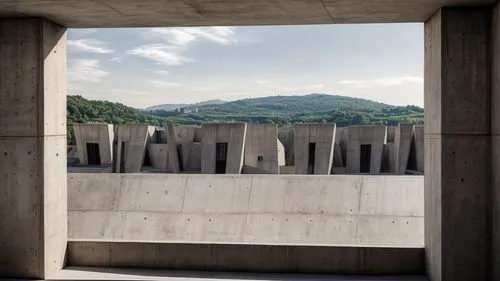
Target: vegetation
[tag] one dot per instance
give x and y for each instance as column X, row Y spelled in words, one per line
column 280, row 110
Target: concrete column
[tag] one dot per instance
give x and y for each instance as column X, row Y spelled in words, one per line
column 457, row 144
column 33, row 195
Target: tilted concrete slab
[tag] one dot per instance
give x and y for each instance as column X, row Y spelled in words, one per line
column 348, row 210
column 376, row 137
column 418, row 135
column 101, row 134
column 128, row 13
column 323, row 136
column 261, row 148
column 132, row 142
column 402, row 145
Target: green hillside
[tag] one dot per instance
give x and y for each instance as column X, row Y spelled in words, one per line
column 281, row 110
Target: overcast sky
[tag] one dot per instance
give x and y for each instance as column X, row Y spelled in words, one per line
column 149, row 66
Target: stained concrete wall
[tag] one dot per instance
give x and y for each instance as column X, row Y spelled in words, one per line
column 418, row 137
column 321, row 134
column 347, row 210
column 33, row 196
column 262, row 142
column 359, row 135
column 136, row 138
column 101, row 134
column 158, row 154
column 402, row 145
column 234, row 135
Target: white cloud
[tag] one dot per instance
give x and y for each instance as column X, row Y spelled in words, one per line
column 297, row 88
column 116, row 59
column 88, row 46
column 261, row 82
column 350, row 82
column 86, row 70
column 174, row 42
column 162, row 72
column 383, row 81
column 161, row 53
column 163, row 84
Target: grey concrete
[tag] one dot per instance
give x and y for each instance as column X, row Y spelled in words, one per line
column 173, row 155
column 321, row 134
column 33, row 199
column 153, row 13
column 234, row 135
column 348, row 210
column 102, row 273
column 458, row 145
column 261, row 148
column 418, row 137
column 159, row 155
column 402, row 145
column 229, row 257
column 101, row 134
column 375, row 136
column 136, row 138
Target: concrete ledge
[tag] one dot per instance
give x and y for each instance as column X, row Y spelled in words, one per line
column 248, row 257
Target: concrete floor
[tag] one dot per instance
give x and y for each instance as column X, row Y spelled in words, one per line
column 93, row 273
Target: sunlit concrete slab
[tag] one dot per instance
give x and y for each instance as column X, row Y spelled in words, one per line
column 129, row 13
column 97, row 273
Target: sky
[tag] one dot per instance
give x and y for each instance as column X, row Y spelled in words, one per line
column 141, row 67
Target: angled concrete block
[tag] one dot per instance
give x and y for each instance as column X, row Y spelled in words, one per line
column 317, row 139
column 261, row 148
column 402, row 145
column 358, row 137
column 132, row 142
column 99, row 134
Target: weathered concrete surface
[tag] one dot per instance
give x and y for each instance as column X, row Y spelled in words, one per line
column 173, row 155
column 185, row 133
column 159, row 155
column 261, row 148
column 106, row 273
column 234, row 134
column 347, row 210
column 418, row 136
column 359, row 135
column 132, row 142
column 230, row 257
column 402, row 145
column 458, row 145
column 323, row 135
column 101, row 134
column 153, row 13
column 33, row 196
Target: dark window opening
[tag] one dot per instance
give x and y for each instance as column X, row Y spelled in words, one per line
column 365, row 158
column 158, row 136
column 220, row 158
column 122, row 157
column 147, row 159
column 93, row 155
column 311, row 158
column 179, row 157
column 260, row 158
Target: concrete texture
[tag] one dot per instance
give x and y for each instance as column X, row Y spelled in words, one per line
column 285, row 136
column 261, row 148
column 173, row 154
column 159, row 155
column 418, row 137
column 153, row 13
column 402, row 145
column 458, row 145
column 101, row 134
column 234, row 134
column 102, row 273
column 375, row 136
column 33, row 198
column 136, row 138
column 323, row 135
column 347, row 210
column 227, row 257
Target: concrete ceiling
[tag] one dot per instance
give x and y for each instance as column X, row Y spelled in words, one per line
column 147, row 13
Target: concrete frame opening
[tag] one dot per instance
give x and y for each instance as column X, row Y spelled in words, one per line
column 311, row 158
column 93, row 154
column 220, row 157
column 122, row 157
column 365, row 158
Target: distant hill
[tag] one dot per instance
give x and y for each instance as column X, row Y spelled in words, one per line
column 288, row 110
column 280, row 110
column 169, row 107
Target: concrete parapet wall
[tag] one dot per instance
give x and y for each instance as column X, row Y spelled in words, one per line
column 247, row 257
column 315, row 210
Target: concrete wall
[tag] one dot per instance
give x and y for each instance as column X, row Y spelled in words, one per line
column 101, row 134
column 262, row 141
column 158, row 154
column 402, row 145
column 356, row 136
column 185, row 133
column 348, row 210
column 234, row 135
column 136, row 138
column 321, row 134
column 418, row 136
column 33, row 198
